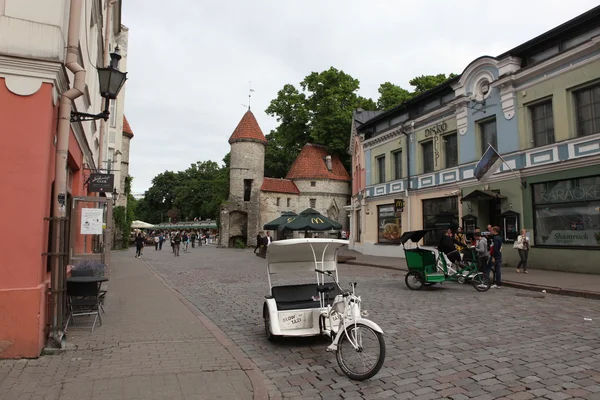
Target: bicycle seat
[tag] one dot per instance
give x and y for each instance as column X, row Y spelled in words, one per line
column 325, row 288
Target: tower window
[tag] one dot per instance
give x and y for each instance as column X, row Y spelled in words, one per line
column 313, row 183
column 247, row 189
column 278, row 199
column 313, row 203
column 288, row 201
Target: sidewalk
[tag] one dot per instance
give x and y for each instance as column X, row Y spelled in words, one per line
column 152, row 345
column 563, row 283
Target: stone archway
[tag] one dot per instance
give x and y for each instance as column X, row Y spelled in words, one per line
column 238, row 227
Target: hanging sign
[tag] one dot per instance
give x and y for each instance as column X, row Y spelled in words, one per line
column 91, row 221
column 101, row 183
column 398, row 206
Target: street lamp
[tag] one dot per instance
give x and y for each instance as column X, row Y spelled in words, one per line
column 115, row 196
column 111, row 82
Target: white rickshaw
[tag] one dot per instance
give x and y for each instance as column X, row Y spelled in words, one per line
column 321, row 308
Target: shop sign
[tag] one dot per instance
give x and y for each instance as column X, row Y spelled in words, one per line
column 579, row 193
column 398, row 207
column 436, row 129
column 101, row 183
column 585, row 238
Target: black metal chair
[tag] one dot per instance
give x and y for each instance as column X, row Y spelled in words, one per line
column 90, row 272
column 84, row 299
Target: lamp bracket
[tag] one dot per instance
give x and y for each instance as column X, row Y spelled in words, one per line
column 80, row 117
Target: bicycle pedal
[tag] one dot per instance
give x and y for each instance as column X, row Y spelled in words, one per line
column 332, row 347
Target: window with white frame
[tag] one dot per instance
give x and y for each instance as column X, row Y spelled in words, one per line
column 427, row 150
column 381, row 169
column 542, row 123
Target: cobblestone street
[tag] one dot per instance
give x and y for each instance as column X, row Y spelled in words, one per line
column 446, row 342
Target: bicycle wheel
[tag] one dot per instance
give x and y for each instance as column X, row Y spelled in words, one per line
column 414, row 280
column 367, row 359
column 480, row 282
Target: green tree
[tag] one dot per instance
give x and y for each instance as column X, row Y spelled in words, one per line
column 319, row 113
column 391, row 95
column 424, row 83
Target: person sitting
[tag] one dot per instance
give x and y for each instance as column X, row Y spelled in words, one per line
column 447, row 246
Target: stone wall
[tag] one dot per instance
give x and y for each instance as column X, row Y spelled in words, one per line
column 269, row 210
column 247, row 162
column 125, row 146
column 326, row 192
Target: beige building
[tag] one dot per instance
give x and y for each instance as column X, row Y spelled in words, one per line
column 316, row 179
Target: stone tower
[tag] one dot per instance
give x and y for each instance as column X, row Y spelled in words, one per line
column 240, row 215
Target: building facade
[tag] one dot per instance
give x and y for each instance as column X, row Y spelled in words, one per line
column 316, row 179
column 41, row 44
column 538, row 105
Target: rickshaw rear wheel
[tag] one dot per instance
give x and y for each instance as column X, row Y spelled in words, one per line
column 480, row 282
column 267, row 318
column 414, row 280
column 346, row 343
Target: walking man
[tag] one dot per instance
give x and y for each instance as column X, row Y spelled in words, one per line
column 258, row 241
column 497, row 254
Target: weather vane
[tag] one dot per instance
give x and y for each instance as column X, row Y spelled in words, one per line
column 250, row 90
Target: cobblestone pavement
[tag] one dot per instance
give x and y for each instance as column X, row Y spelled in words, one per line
column 445, row 342
column 150, row 346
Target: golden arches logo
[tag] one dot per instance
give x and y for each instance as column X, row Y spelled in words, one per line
column 290, row 219
column 316, row 221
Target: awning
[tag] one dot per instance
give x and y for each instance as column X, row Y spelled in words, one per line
column 285, row 217
column 483, row 195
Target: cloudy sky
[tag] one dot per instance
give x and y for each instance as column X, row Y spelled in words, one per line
column 190, row 61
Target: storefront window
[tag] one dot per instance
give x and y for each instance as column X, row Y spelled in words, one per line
column 567, row 213
column 390, row 227
column 439, row 215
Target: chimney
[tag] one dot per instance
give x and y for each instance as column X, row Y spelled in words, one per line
column 328, row 163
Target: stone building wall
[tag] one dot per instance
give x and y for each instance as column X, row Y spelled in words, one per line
column 125, row 145
column 269, row 210
column 325, row 192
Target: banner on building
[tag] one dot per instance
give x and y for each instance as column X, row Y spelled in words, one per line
column 101, row 183
column 488, row 164
column 92, row 221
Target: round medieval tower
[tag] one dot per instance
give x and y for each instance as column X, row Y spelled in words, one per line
column 240, row 216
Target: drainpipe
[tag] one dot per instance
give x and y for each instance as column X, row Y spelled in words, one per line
column 60, row 180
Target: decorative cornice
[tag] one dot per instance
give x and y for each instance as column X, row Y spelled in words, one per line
column 47, row 71
column 379, row 139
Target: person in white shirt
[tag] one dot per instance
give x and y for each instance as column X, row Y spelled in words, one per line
column 268, row 239
column 522, row 245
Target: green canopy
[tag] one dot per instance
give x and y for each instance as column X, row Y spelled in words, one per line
column 311, row 220
column 286, row 216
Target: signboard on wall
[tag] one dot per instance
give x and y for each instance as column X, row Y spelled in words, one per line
column 91, row 221
column 101, row 183
column 398, row 207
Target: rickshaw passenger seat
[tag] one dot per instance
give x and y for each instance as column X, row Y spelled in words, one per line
column 325, row 288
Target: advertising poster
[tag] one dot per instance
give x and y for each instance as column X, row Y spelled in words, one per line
column 390, row 226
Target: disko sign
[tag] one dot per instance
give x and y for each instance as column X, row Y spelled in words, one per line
column 101, row 183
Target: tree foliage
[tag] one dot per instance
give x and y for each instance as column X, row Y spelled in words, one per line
column 319, row 111
column 196, row 192
column 391, row 95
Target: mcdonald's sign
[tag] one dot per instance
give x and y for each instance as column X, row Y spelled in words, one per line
column 316, row 221
column 290, row 219
column 398, row 207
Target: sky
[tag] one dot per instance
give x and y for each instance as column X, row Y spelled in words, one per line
column 190, row 62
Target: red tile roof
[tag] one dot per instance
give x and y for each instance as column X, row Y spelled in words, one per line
column 126, row 128
column 248, row 129
column 279, row 186
column 310, row 164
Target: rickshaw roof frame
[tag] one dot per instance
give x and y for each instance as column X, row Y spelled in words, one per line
column 299, row 255
column 414, row 236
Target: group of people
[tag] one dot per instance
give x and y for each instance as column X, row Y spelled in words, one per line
column 488, row 250
column 176, row 238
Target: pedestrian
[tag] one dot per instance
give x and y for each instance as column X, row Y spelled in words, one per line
column 139, row 244
column 161, row 240
column 172, row 238
column 269, row 239
column 481, row 247
column 497, row 254
column 156, row 240
column 193, row 239
column 447, row 246
column 177, row 241
column 258, row 241
column 522, row 245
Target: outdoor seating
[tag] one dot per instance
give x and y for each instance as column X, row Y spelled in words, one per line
column 90, row 272
column 83, row 299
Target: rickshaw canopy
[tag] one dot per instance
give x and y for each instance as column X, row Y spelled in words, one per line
column 414, row 236
column 296, row 255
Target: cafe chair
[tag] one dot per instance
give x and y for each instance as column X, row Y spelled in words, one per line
column 83, row 299
column 90, row 272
